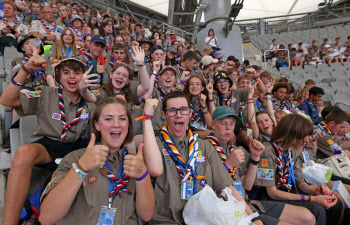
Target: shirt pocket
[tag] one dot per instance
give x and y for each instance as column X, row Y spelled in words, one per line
column 204, row 176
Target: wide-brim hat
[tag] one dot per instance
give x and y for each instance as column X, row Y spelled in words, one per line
column 58, row 66
column 23, row 39
column 145, row 40
column 221, row 75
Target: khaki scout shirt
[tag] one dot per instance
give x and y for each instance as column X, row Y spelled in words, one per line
column 22, row 29
column 278, row 102
column 268, row 175
column 16, row 66
column 157, row 121
column 37, row 26
column 263, row 138
column 238, row 95
column 94, row 193
column 46, row 107
column 325, row 145
column 169, row 206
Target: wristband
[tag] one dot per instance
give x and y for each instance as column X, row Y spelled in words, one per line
column 268, row 94
column 211, row 100
column 144, row 116
column 302, row 197
column 143, row 176
column 252, row 161
column 206, row 111
column 25, row 69
column 78, row 171
column 80, row 167
column 16, row 83
column 310, row 198
column 228, row 169
column 140, row 64
column 81, row 90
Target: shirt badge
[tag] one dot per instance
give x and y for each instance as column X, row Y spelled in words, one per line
column 201, row 158
column 56, row 116
column 265, row 174
column 92, row 179
column 84, row 115
column 165, row 152
column 233, row 100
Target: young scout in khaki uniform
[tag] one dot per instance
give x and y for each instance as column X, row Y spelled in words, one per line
column 329, row 145
column 178, row 145
column 224, row 119
column 157, row 55
column 63, row 125
column 79, row 188
column 279, row 179
column 279, row 92
column 159, row 87
column 40, row 77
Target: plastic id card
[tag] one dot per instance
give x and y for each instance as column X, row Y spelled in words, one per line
column 306, row 156
column 106, row 216
column 186, row 189
column 239, row 188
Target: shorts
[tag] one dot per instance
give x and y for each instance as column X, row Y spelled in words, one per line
column 272, row 208
column 59, row 150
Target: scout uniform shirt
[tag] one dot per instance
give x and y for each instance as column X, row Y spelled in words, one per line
column 169, row 205
column 28, row 19
column 94, row 193
column 38, row 26
column 45, row 105
column 268, row 175
column 328, row 146
column 157, row 120
column 197, row 117
column 258, row 106
column 237, row 96
column 34, row 81
column 263, row 138
column 206, row 76
column 278, row 104
column 16, row 25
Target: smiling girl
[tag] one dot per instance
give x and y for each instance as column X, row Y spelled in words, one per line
column 65, row 48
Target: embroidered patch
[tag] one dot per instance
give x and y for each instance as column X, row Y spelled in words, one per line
column 165, row 152
column 169, row 162
column 92, row 179
column 201, row 158
column 233, row 100
column 84, row 115
column 95, row 92
column 330, row 142
column 59, row 166
column 203, row 182
column 56, row 116
column 336, row 148
column 32, row 94
column 264, row 162
column 265, row 174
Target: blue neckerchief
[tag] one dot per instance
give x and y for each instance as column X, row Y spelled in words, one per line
column 258, row 104
column 291, row 172
column 180, row 163
column 69, row 53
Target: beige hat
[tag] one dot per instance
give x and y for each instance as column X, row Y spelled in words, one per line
column 168, row 32
column 207, row 60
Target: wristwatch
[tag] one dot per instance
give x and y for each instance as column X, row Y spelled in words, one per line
column 45, row 38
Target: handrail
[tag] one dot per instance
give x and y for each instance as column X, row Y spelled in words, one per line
column 274, row 51
column 180, row 31
column 342, row 103
column 270, row 71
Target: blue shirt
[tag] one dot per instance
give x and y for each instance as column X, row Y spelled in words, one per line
column 310, row 110
column 1, row 10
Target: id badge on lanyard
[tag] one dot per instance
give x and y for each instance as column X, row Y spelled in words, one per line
column 239, row 187
column 186, row 189
column 306, row 156
column 106, row 216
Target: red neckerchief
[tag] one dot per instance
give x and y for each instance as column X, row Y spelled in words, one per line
column 47, row 29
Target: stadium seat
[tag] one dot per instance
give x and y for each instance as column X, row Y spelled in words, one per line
column 10, row 54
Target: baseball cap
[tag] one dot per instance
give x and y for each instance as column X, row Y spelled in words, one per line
column 168, row 68
column 74, row 17
column 218, row 54
column 224, row 111
column 326, row 39
column 207, row 60
column 171, row 49
column 98, row 39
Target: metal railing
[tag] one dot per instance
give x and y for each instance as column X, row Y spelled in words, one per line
column 343, row 103
column 274, row 51
column 176, row 31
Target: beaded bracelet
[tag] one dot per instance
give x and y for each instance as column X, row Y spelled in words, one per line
column 25, row 69
column 80, row 167
column 143, row 176
column 81, row 90
column 78, row 171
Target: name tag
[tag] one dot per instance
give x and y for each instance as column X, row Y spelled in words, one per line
column 106, row 216
column 239, row 188
column 306, row 156
column 186, row 190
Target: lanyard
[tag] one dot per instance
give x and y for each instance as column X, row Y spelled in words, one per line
column 291, row 168
column 258, row 104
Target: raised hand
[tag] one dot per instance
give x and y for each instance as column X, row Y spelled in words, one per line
column 235, row 158
column 36, row 63
column 138, row 54
column 134, row 166
column 256, row 149
column 185, row 75
column 269, row 87
column 150, row 106
column 203, row 99
column 94, row 155
column 210, row 88
column 85, row 82
column 156, row 66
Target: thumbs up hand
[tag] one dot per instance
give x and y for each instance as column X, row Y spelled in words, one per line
column 94, row 156
column 134, row 166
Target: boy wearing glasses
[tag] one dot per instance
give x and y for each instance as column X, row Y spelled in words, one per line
column 181, row 149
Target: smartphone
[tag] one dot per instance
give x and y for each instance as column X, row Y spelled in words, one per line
column 94, row 70
column 11, row 30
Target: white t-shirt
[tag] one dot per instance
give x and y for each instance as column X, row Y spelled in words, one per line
column 211, row 42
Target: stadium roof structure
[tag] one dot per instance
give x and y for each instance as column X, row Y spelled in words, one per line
column 252, row 9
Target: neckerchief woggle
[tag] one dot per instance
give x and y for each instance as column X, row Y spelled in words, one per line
column 229, row 100
column 116, row 185
column 186, row 171
column 288, row 172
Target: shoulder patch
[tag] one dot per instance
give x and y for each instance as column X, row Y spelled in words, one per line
column 33, row 94
column 95, row 92
column 265, row 174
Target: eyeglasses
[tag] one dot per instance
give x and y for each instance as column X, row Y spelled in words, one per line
column 183, row 110
column 222, row 82
column 47, row 12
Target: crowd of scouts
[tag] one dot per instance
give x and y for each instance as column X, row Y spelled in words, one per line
column 205, row 121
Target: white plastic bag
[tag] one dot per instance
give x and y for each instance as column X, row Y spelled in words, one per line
column 316, row 173
column 204, row 208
